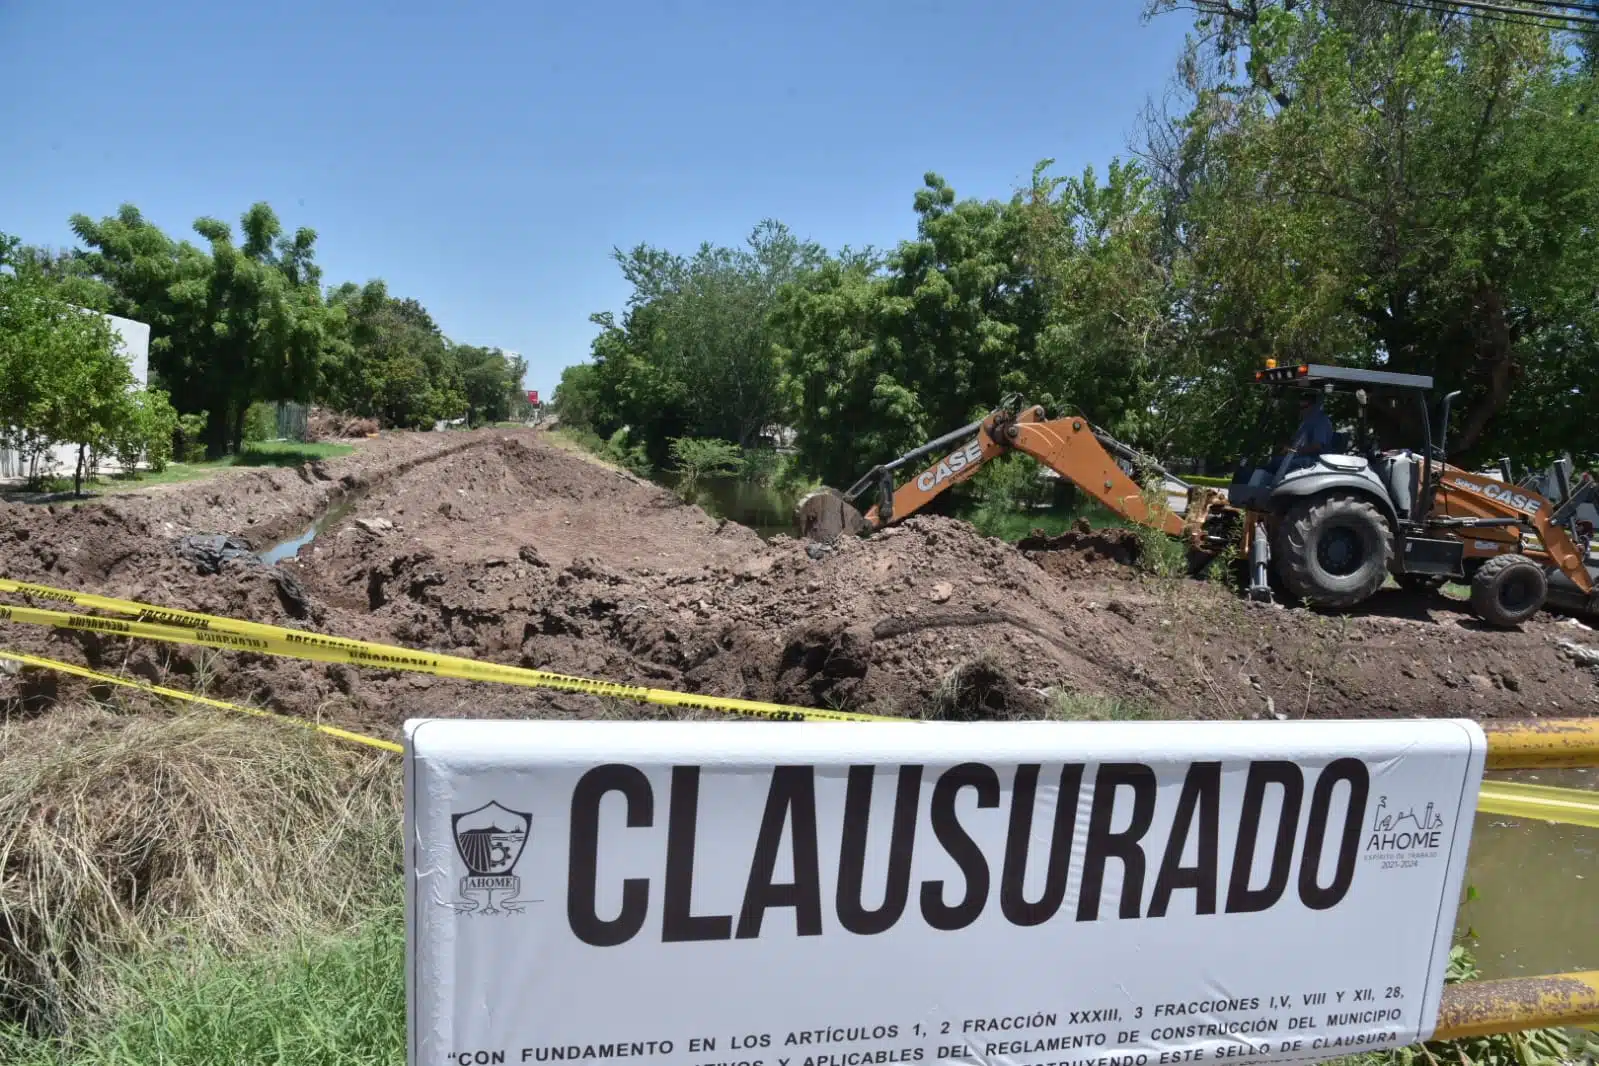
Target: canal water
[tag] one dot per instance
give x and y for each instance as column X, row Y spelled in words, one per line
column 763, row 508
column 289, row 548
column 1536, row 905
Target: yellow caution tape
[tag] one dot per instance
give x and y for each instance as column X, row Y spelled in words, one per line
column 188, row 627
column 1568, row 805
column 179, row 694
column 1573, row 806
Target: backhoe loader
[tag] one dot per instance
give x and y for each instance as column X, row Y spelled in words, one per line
column 1328, row 530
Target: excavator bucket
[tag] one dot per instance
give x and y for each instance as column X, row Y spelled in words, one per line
column 824, row 516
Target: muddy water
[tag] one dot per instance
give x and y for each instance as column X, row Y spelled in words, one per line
column 761, row 507
column 289, row 548
column 1537, row 885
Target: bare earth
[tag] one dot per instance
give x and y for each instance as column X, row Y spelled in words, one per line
column 505, row 546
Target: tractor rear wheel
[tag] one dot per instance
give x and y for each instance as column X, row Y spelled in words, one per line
column 1333, row 551
column 1507, row 590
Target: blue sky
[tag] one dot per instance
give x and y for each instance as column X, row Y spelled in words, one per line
column 485, row 157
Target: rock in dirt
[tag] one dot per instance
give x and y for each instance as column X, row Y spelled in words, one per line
column 376, row 526
column 754, row 569
column 1579, row 654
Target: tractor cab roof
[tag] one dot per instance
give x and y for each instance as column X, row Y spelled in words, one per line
column 1339, row 378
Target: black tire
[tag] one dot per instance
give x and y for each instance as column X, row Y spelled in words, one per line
column 1507, row 590
column 1334, row 550
column 1422, row 582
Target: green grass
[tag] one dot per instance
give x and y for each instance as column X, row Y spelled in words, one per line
column 340, row 1000
column 1094, row 707
column 1012, row 525
column 287, row 453
column 254, row 453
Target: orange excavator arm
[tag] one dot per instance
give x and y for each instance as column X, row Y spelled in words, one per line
column 951, row 469
column 1068, row 446
column 1467, row 496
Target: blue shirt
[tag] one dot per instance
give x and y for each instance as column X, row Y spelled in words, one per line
column 1314, row 429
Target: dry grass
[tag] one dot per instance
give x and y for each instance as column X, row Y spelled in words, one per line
column 978, row 690
column 123, row 833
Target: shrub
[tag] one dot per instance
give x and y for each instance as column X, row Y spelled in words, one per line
column 698, row 458
column 261, row 422
column 191, row 427
column 143, row 432
column 632, row 456
column 160, row 422
column 760, row 466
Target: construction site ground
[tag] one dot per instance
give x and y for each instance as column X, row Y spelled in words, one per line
column 506, row 546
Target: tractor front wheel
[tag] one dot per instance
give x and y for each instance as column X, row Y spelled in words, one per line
column 1333, row 551
column 1507, row 590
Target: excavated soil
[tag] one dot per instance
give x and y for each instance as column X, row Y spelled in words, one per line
column 508, row 547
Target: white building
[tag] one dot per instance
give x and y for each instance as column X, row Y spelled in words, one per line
column 135, row 348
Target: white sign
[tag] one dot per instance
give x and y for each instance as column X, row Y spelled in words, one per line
column 1025, row 894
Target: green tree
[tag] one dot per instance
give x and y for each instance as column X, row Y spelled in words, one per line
column 62, row 380
column 693, row 354
column 489, row 381
column 576, row 401
column 231, row 325
column 1062, row 295
column 1405, row 188
column 390, row 361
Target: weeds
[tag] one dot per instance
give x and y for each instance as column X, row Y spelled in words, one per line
column 977, row 690
column 1536, row 1047
column 614, row 452
column 1096, row 707
column 323, row 1002
column 126, row 835
column 1159, row 554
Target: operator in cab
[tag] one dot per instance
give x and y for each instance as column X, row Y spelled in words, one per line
column 1314, row 436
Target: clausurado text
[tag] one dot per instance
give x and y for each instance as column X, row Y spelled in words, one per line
column 1121, row 799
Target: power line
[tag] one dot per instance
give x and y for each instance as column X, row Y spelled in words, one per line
column 1492, row 13
column 1562, row 5
column 1520, row 12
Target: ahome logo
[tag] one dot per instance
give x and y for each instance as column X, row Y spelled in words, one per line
column 489, row 841
column 1393, row 830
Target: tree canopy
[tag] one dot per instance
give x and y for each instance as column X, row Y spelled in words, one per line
column 240, row 317
column 1348, row 181
column 693, row 354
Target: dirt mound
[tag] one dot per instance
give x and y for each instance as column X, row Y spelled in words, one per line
column 508, row 548
column 1084, row 552
column 323, row 424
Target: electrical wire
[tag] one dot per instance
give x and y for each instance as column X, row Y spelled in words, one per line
column 1488, row 13
column 1519, row 12
column 1562, row 5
